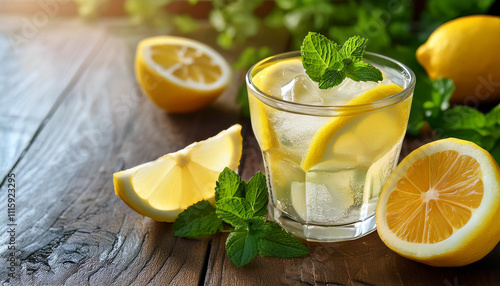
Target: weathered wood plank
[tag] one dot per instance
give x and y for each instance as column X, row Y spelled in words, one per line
column 71, row 228
column 38, row 63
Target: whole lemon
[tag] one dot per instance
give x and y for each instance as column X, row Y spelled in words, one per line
column 466, row 50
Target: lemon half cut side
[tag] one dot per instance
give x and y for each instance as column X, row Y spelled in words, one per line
column 180, row 74
column 441, row 204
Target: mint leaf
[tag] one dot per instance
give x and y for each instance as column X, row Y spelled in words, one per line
column 257, row 225
column 229, row 185
column 465, row 123
column 354, row 48
column 244, row 206
column 460, row 121
column 318, row 53
column 361, row 71
column 430, row 100
column 197, row 220
column 332, row 77
column 463, row 117
column 241, row 247
column 256, row 194
column 279, row 243
column 495, row 151
column 328, row 65
column 493, row 117
column 234, row 211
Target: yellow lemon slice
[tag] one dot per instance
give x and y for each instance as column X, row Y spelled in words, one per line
column 163, row 188
column 325, row 134
column 267, row 80
column 441, row 205
column 179, row 74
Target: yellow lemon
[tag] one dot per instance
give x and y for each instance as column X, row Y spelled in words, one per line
column 267, row 81
column 323, row 137
column 163, row 188
column 179, row 74
column 441, row 205
column 466, row 51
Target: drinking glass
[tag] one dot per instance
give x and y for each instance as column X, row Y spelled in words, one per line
column 355, row 148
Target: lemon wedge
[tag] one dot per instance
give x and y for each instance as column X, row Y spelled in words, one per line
column 163, row 188
column 441, row 204
column 323, row 137
column 179, row 74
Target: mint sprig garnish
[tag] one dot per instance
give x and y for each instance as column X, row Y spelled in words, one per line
column 329, row 64
column 197, row 220
column 244, row 207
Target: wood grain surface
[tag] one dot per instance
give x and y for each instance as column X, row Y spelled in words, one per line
column 71, row 114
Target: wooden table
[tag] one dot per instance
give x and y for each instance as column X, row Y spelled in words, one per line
column 71, row 115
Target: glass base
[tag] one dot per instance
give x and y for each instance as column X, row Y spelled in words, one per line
column 323, row 233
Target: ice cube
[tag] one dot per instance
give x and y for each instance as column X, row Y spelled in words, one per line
column 348, row 90
column 301, row 89
column 331, row 190
column 283, row 169
column 295, row 131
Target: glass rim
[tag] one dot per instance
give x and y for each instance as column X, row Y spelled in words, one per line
column 330, row 110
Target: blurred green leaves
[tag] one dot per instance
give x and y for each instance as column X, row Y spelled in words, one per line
column 301, row 16
column 248, row 58
column 438, row 12
column 90, row 8
column 234, row 20
column 431, row 100
column 185, row 24
column 148, row 12
column 463, row 122
column 251, row 56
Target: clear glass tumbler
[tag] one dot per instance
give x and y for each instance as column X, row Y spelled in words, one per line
column 326, row 165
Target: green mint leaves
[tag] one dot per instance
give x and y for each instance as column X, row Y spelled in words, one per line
column 243, row 206
column 197, row 220
column 329, row 64
column 318, row 53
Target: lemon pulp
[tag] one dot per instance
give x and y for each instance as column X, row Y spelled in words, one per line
column 163, row 188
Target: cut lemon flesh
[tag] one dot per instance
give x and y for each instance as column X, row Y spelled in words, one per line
column 163, row 188
column 318, row 148
column 441, row 204
column 180, row 74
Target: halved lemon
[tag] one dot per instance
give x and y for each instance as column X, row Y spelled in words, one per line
column 441, row 206
column 179, row 74
column 321, row 140
column 163, row 188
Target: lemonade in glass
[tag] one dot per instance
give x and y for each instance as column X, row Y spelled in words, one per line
column 327, row 152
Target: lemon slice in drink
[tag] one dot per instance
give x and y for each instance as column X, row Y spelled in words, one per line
column 163, row 188
column 441, row 204
column 179, row 74
column 318, row 148
column 267, row 81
